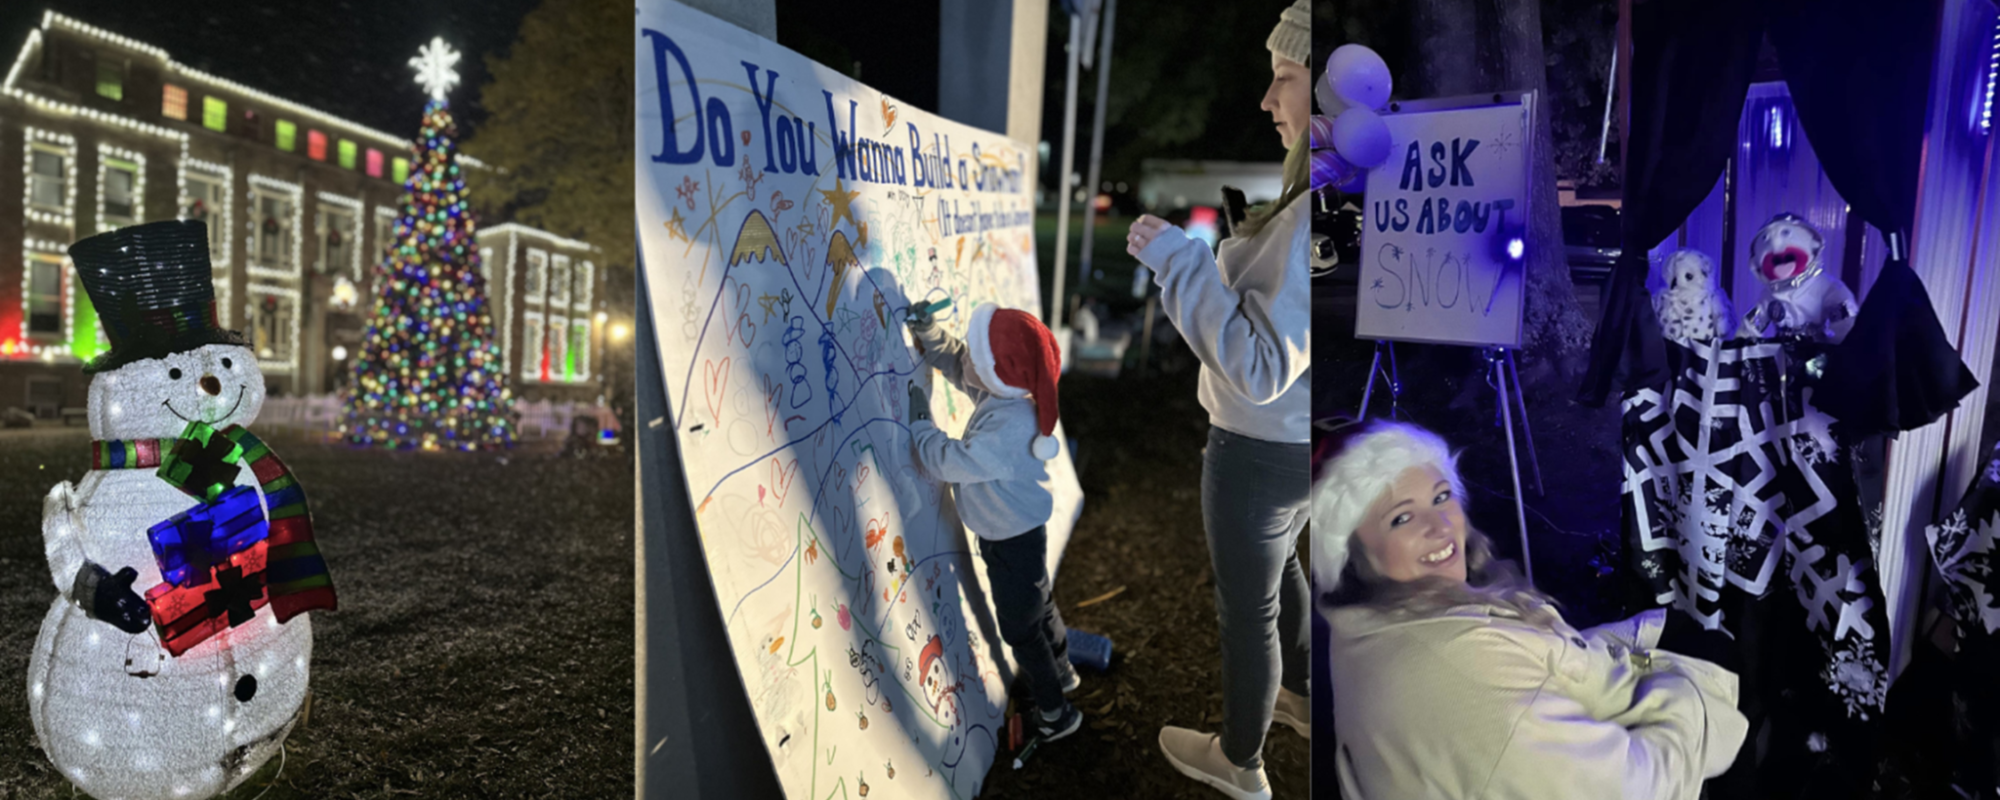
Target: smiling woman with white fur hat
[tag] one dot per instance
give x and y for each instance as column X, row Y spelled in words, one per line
column 1453, row 678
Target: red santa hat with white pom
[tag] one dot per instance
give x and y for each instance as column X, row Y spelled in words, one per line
column 1017, row 357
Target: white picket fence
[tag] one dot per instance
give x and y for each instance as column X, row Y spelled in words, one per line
column 321, row 415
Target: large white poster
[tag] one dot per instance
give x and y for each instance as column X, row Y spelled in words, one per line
column 788, row 217
column 1443, row 233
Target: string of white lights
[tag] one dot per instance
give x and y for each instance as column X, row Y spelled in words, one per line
column 537, row 233
column 538, row 276
column 105, row 153
column 558, row 344
column 31, row 251
column 290, row 272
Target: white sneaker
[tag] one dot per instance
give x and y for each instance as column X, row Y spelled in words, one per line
column 1070, row 679
column 1199, row 756
column 1294, row 710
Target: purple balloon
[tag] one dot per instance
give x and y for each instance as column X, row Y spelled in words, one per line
column 1322, row 132
column 1362, row 138
column 1329, row 169
column 1356, row 185
column 1330, row 103
column 1359, row 76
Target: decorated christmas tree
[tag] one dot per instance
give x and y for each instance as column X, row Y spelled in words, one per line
column 429, row 373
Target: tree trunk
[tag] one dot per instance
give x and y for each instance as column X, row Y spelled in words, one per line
column 1479, row 46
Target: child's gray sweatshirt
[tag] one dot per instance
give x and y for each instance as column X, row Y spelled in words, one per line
column 1003, row 489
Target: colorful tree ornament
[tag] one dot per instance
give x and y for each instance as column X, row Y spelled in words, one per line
column 429, row 373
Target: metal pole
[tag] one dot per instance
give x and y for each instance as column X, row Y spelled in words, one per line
column 1527, row 431
column 1068, row 163
column 1610, row 86
column 1520, row 505
column 1368, row 391
column 1096, row 141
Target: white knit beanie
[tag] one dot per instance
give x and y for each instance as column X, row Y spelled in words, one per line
column 1293, row 38
column 1358, row 474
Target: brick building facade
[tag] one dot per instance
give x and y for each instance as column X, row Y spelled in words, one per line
column 102, row 131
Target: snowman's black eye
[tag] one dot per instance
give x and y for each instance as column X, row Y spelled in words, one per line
column 227, row 365
column 174, row 374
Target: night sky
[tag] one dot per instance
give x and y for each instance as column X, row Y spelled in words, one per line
column 349, row 59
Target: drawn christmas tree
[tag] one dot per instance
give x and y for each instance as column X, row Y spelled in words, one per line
column 429, row 373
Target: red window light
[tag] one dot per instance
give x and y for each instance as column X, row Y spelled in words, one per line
column 316, row 145
column 374, row 163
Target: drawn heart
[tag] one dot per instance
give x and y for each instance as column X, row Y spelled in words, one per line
column 781, row 479
column 716, row 382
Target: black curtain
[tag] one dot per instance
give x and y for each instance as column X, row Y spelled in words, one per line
column 1859, row 74
column 1691, row 67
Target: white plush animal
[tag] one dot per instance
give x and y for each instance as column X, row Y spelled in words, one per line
column 116, row 713
column 1800, row 296
column 1693, row 306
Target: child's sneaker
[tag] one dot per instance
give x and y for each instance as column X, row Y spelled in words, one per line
column 1070, row 680
column 1065, row 723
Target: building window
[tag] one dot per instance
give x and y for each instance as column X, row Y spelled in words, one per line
column 337, row 247
column 121, row 194
column 208, row 202
column 288, row 135
column 400, row 170
column 215, row 114
column 538, row 272
column 559, row 282
column 533, row 356
column 385, row 230
column 583, row 281
column 173, row 102
column 347, row 152
column 579, row 348
column 558, row 339
column 48, row 178
column 274, row 228
column 111, row 79
column 44, row 304
column 374, row 163
column 316, row 145
column 273, row 326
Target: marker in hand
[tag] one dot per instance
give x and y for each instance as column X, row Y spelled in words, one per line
column 918, row 313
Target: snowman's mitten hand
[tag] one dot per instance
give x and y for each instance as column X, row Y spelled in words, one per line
column 109, row 598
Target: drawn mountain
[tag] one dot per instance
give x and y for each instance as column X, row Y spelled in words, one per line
column 756, row 240
column 840, row 256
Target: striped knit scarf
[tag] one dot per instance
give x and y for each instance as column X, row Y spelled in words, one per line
column 295, row 575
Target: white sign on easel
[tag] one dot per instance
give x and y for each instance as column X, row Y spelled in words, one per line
column 1438, row 223
column 1444, row 243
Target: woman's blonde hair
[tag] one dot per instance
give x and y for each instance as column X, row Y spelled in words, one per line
column 1298, row 169
column 1489, row 581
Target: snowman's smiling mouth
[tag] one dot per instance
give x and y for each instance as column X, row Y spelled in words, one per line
column 226, row 415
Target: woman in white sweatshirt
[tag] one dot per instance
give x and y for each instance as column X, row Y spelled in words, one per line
column 1453, row 679
column 1246, row 311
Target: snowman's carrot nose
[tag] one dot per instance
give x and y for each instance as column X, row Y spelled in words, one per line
column 210, row 385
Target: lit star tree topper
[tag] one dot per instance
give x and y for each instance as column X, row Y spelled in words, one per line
column 433, row 65
column 429, row 373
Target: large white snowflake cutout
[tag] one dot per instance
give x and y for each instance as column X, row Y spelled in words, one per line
column 433, row 65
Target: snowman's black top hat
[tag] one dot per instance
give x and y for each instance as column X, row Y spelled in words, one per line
column 153, row 290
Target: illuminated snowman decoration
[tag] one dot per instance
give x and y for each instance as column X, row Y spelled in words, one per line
column 1800, row 297
column 117, row 711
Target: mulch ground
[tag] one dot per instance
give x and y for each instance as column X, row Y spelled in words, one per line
column 484, row 642
column 1139, row 458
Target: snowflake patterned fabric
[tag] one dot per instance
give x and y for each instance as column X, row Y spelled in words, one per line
column 1742, row 507
column 1963, row 545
